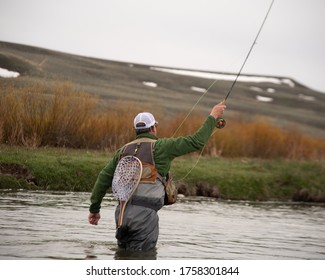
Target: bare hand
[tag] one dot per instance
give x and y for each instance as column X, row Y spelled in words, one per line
column 218, row 110
column 93, row 218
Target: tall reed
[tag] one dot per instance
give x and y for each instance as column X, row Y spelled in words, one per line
column 34, row 117
column 63, row 116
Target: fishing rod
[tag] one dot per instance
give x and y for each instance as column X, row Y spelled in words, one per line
column 221, row 122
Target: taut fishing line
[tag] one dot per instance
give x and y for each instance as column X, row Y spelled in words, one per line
column 220, row 121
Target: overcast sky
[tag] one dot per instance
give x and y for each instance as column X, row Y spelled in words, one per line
column 213, row 35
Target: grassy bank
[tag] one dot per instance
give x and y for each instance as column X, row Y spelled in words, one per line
column 238, row 179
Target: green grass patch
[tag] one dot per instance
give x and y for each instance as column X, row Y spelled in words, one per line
column 236, row 179
column 254, row 179
column 55, row 169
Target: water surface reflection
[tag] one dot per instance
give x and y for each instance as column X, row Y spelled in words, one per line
column 47, row 225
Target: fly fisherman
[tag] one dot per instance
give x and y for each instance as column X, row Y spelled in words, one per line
column 140, row 225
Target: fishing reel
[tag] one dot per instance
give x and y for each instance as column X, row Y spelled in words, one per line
column 221, row 123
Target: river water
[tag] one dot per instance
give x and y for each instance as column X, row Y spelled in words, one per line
column 53, row 225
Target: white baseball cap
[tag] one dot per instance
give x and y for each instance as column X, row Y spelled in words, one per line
column 144, row 120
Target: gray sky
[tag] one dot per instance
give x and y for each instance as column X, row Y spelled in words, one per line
column 212, row 35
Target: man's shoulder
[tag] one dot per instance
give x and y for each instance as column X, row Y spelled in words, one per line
column 143, row 139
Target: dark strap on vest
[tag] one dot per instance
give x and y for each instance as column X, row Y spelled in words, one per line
column 142, row 151
column 131, row 149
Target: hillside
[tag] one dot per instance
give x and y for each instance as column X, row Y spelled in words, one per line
column 282, row 100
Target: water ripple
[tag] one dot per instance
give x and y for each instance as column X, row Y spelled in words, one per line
column 53, row 225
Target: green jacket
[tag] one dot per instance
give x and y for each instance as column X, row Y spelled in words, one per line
column 165, row 150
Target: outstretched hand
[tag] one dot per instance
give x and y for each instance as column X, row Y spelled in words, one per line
column 93, row 218
column 217, row 110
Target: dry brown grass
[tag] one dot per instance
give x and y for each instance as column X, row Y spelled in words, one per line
column 63, row 116
column 260, row 138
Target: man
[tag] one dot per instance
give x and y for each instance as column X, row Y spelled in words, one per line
column 140, row 228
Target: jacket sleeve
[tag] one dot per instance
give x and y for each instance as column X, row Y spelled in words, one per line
column 186, row 144
column 103, row 183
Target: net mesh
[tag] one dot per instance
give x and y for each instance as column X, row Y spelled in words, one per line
column 126, row 177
